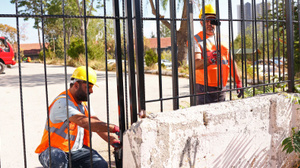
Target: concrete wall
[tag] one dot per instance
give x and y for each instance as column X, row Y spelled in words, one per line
column 241, row 133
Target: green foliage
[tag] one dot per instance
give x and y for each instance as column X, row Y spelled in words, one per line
column 150, row 57
column 280, row 29
column 164, row 31
column 49, row 55
column 292, row 143
column 96, row 51
column 76, row 48
column 166, row 55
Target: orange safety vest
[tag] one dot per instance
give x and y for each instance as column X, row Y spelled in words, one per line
column 59, row 131
column 212, row 70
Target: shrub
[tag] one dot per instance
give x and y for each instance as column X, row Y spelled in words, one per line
column 150, row 57
column 76, row 48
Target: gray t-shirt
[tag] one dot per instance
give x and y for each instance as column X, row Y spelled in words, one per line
column 58, row 113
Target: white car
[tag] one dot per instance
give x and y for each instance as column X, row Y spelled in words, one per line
column 166, row 63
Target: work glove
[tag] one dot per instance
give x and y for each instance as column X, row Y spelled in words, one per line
column 212, row 57
column 116, row 144
column 240, row 92
column 116, row 129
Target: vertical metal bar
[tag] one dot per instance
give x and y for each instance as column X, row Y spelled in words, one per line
column 87, row 80
column 191, row 51
column 159, row 54
column 139, row 50
column 118, row 55
column 218, row 46
column 298, row 11
column 290, row 45
column 66, row 81
column 46, row 81
column 278, row 35
column 106, row 81
column 204, row 52
column 254, row 50
column 125, row 65
column 231, row 46
column 131, row 65
column 174, row 55
column 21, row 90
column 267, row 33
column 243, row 43
column 256, row 42
column 263, row 33
column 273, row 41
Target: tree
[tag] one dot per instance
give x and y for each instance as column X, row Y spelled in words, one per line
column 280, row 30
column 164, row 31
column 30, row 8
column 181, row 34
column 9, row 32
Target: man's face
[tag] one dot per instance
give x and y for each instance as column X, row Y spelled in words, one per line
column 210, row 29
column 81, row 94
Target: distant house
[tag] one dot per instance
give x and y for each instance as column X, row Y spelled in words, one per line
column 165, row 43
column 32, row 50
column 249, row 52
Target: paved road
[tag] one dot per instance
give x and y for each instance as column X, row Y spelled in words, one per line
column 34, row 105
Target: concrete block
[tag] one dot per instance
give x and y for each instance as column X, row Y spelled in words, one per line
column 241, row 133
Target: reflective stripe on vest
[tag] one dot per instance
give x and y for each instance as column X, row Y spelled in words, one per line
column 198, row 38
column 61, row 131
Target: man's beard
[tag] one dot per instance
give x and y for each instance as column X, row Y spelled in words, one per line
column 81, row 95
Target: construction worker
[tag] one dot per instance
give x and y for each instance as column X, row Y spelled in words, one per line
column 78, row 127
column 217, row 69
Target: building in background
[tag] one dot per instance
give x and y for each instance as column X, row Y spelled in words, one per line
column 250, row 13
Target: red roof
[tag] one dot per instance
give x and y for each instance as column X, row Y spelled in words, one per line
column 165, row 42
column 32, row 48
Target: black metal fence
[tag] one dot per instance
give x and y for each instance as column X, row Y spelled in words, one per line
column 262, row 38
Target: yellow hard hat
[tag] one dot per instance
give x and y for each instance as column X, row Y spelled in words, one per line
column 80, row 73
column 209, row 10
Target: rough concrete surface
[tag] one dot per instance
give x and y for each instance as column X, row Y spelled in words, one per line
column 32, row 107
column 240, row 133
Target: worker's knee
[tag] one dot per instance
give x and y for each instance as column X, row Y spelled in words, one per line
column 58, row 158
column 101, row 163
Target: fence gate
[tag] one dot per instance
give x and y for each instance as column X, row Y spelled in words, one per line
column 261, row 36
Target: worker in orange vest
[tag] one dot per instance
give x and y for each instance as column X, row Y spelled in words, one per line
column 77, row 141
column 217, row 69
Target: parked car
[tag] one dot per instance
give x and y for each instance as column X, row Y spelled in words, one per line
column 6, row 54
column 166, row 63
column 278, row 61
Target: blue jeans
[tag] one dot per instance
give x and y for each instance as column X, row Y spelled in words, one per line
column 80, row 158
column 210, row 97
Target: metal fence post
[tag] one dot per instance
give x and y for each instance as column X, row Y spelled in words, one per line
column 174, row 55
column 131, row 66
column 139, row 50
column 191, row 51
column 118, row 55
column 290, row 45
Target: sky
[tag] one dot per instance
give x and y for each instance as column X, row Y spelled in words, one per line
column 26, row 27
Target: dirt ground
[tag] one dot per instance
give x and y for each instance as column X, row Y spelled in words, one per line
column 23, row 107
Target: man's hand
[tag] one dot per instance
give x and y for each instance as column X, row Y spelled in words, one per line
column 240, row 92
column 212, row 57
column 116, row 129
column 116, row 144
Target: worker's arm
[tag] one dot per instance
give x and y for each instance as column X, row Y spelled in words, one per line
column 104, row 135
column 235, row 74
column 96, row 125
column 199, row 62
